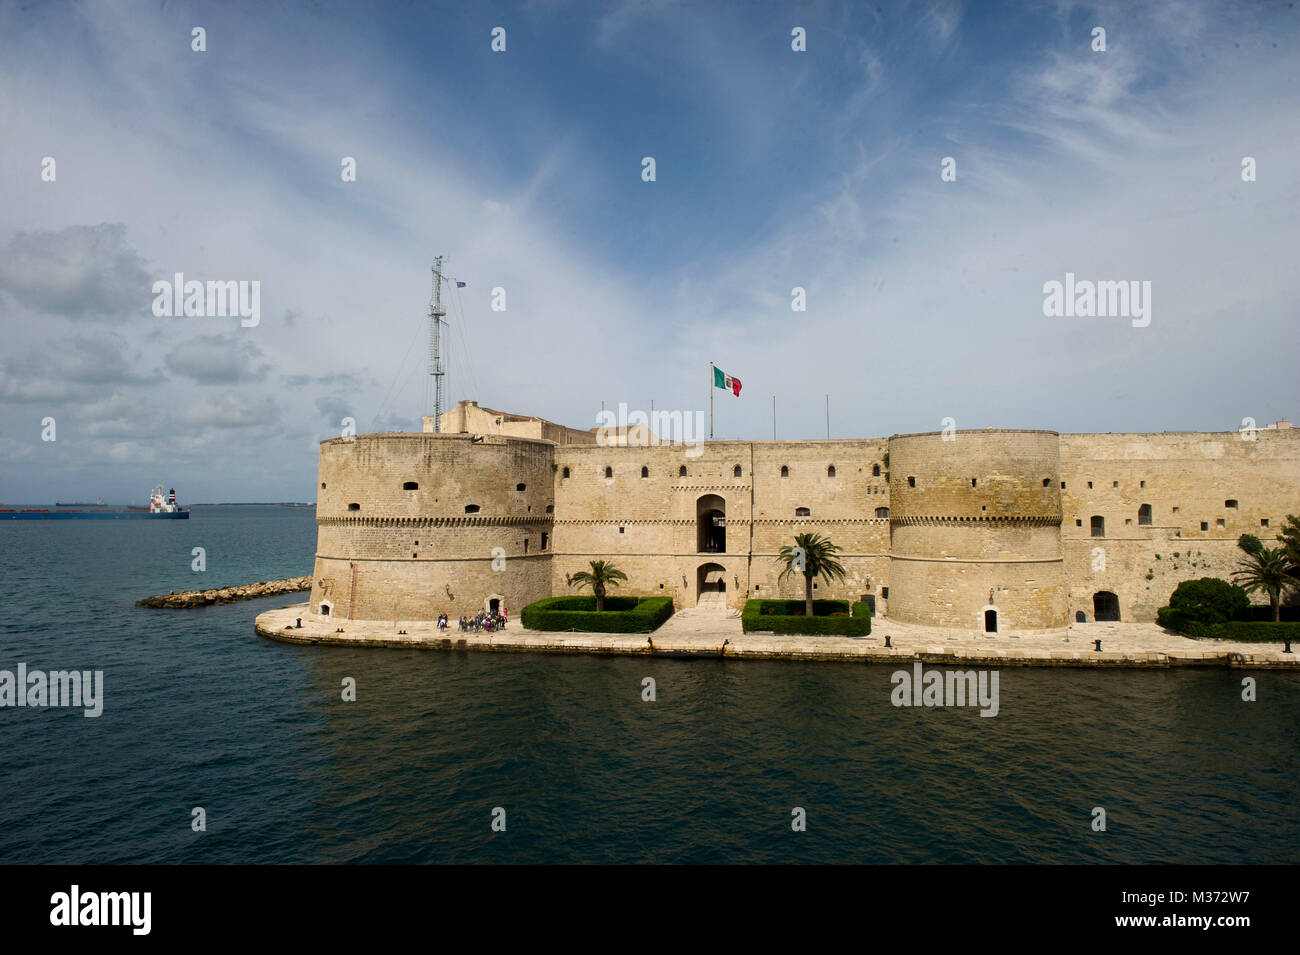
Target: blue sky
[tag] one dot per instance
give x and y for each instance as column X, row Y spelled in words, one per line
column 775, row 169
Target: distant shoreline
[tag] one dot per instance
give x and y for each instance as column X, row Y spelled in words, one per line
column 257, row 504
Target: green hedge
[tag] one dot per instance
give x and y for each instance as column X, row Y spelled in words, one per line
column 834, row 617
column 621, row 614
column 1289, row 612
column 795, row 608
column 1245, row 631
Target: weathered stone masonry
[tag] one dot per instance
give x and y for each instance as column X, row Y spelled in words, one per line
column 968, row 530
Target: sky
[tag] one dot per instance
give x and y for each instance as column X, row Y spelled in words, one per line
column 775, row 169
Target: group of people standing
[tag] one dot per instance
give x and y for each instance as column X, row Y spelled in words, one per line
column 483, row 621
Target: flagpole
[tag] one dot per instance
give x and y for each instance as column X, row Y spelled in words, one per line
column 710, row 401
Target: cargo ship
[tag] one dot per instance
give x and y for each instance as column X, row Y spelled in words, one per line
column 161, row 505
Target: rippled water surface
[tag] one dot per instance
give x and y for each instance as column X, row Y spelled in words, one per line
column 199, row 711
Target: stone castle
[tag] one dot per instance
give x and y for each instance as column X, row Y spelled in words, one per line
column 997, row 530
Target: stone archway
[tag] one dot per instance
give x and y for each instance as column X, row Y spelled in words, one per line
column 711, row 585
column 493, row 603
column 1105, row 607
column 711, row 524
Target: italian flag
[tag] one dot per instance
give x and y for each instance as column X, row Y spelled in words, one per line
column 726, row 382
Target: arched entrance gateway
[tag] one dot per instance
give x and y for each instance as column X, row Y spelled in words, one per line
column 710, row 579
column 711, row 524
column 1105, row 607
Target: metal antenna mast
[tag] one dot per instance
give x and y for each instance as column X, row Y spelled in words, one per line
column 436, row 313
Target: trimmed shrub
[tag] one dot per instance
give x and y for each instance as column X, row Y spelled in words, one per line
column 580, row 602
column 795, row 608
column 1209, row 600
column 1265, row 613
column 622, row 614
column 1244, row 631
column 829, row 617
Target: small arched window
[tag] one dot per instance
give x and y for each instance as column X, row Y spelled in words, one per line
column 354, row 507
column 1144, row 514
column 609, row 472
column 564, row 473
column 550, row 508
column 681, row 471
column 521, row 487
column 645, row 471
column 736, row 471
column 830, row 471
column 1047, row 482
column 1230, row 503
column 785, row 471
column 802, row 512
column 875, row 470
column 471, row 508
column 882, row 512
column 410, row 486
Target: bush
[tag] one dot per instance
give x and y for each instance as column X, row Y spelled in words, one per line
column 1209, row 600
column 1265, row 613
column 795, row 608
column 1244, row 631
column 621, row 614
column 829, row 617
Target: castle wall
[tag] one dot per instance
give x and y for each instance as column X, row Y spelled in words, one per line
column 976, row 526
column 940, row 551
column 649, row 525
column 388, row 552
column 1186, row 478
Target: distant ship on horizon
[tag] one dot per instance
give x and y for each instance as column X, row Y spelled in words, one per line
column 161, row 505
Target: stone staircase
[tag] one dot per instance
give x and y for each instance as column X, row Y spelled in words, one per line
column 712, row 602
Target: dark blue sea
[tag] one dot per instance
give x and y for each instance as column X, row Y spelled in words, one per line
column 201, row 712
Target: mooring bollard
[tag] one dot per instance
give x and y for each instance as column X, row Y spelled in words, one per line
column 887, row 643
column 1097, row 645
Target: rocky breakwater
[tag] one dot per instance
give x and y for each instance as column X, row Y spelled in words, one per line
column 223, row 595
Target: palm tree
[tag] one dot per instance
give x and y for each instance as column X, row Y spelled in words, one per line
column 602, row 574
column 813, row 556
column 1264, row 568
column 1289, row 537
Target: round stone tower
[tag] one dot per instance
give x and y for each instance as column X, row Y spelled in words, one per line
column 411, row 525
column 975, row 529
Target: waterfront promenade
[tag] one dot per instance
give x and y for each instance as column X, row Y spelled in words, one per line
column 699, row 632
